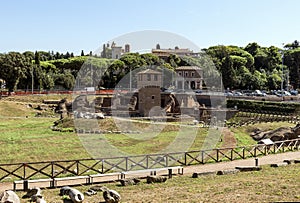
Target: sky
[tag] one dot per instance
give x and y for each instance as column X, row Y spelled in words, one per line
column 75, row 25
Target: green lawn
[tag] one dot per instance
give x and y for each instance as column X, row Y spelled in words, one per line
column 242, row 133
column 31, row 139
column 25, row 138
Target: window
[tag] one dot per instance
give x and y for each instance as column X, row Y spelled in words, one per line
column 193, row 74
column 153, row 97
column 155, row 77
column 186, row 74
column 148, row 77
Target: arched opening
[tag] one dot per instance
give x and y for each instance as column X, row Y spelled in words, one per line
column 193, row 85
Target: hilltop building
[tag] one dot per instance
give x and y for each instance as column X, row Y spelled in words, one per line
column 114, row 51
column 165, row 53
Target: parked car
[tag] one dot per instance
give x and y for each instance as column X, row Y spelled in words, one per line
column 238, row 94
column 283, row 93
column 294, row 92
column 228, row 94
column 259, row 93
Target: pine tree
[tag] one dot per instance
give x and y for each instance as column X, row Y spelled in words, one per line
column 37, row 58
column 103, row 54
column 67, row 55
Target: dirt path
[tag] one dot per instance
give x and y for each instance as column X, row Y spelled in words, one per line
column 265, row 160
column 228, row 138
column 230, row 141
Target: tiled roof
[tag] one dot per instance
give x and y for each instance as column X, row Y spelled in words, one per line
column 188, row 68
column 171, row 50
column 149, row 71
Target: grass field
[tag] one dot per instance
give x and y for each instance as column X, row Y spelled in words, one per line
column 25, row 138
column 31, row 139
column 242, row 133
column 268, row 185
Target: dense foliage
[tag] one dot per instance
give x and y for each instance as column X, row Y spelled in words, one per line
column 250, row 67
column 267, row 106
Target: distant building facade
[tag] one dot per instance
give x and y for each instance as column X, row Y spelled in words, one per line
column 189, row 77
column 113, row 51
column 164, row 53
column 116, row 52
column 149, row 77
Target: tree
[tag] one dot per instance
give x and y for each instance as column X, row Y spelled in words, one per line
column 292, row 60
column 103, row 53
column 274, row 80
column 36, row 58
column 13, row 67
column 65, row 79
column 67, row 55
column 29, row 54
column 151, row 59
column 252, row 48
column 293, row 45
column 82, row 53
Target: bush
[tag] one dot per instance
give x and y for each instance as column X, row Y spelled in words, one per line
column 264, row 106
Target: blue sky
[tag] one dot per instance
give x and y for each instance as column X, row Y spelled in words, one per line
column 70, row 25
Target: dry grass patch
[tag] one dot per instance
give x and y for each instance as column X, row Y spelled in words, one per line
column 268, row 185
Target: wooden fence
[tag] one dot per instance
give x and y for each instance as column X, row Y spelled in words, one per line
column 67, row 168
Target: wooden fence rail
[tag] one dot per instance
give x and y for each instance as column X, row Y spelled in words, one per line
column 57, row 169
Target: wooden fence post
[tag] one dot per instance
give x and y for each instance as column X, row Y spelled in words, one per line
column 147, row 161
column 52, row 169
column 77, row 167
column 167, row 160
column 24, row 171
column 126, row 163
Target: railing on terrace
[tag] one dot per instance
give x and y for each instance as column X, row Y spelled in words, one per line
column 54, row 169
column 37, row 92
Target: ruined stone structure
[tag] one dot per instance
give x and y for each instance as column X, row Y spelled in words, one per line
column 149, row 98
column 279, row 134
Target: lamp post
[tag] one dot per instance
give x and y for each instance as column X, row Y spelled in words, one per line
column 32, row 80
column 282, row 78
column 130, row 80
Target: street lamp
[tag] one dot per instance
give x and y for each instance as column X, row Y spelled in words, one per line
column 32, row 80
column 282, row 78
